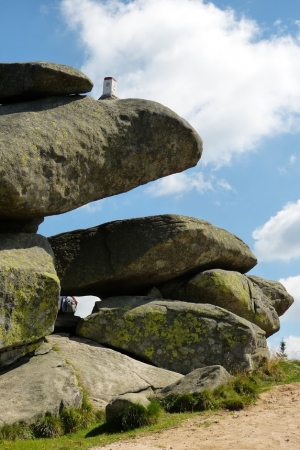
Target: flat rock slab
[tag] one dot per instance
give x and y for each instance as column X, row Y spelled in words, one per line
column 228, row 289
column 31, row 80
column 275, row 292
column 125, row 257
column 59, row 153
column 106, row 373
column 41, row 384
column 29, row 289
column 174, row 335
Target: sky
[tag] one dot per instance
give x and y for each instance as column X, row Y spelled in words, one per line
column 229, row 67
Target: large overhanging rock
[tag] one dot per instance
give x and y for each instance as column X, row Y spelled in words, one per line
column 125, row 256
column 276, row 293
column 25, row 81
column 59, row 153
column 105, row 373
column 176, row 335
column 29, row 290
column 229, row 290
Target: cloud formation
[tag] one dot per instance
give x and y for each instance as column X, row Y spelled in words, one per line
column 292, row 285
column 179, row 184
column 207, row 64
column 278, row 239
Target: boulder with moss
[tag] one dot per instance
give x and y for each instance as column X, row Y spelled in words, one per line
column 29, row 291
column 174, row 335
column 197, row 381
column 31, row 80
column 59, row 153
column 275, row 292
column 129, row 256
column 228, row 289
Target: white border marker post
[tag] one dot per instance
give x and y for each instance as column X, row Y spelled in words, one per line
column 109, row 86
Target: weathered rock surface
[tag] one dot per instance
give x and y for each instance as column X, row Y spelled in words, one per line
column 276, row 293
column 31, row 80
column 124, row 257
column 59, row 153
column 197, row 381
column 119, row 404
column 176, row 335
column 66, row 323
column 105, row 373
column 40, row 384
column 29, row 289
column 8, row 357
column 229, row 290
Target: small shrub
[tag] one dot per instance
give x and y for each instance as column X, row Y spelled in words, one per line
column 71, row 420
column 48, row 427
column 17, row 431
column 244, row 386
column 234, row 403
column 136, row 416
column 269, row 371
column 181, row 403
column 188, row 402
column 204, row 401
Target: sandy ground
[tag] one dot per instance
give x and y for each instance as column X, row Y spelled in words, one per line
column 273, row 423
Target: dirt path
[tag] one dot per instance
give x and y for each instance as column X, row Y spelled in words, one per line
column 273, row 423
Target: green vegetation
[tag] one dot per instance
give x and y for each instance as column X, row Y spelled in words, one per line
column 83, row 428
column 136, row 416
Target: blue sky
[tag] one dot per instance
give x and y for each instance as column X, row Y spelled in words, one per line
column 232, row 69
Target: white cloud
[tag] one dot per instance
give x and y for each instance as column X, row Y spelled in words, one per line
column 292, row 285
column 292, row 159
column 225, row 185
column 206, row 64
column 278, row 239
column 179, row 184
column 93, row 206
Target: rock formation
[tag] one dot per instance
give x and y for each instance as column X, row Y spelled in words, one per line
column 229, row 290
column 126, row 256
column 197, row 381
column 275, row 292
column 60, row 150
column 40, row 384
column 176, row 335
column 32, row 80
column 29, row 290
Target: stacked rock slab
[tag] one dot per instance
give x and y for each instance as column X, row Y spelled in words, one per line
column 175, row 335
column 29, row 286
column 129, row 256
column 61, row 152
column 228, row 289
column 32, row 80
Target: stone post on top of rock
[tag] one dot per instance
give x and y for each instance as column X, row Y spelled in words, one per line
column 109, row 89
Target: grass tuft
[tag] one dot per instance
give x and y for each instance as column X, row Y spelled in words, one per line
column 137, row 416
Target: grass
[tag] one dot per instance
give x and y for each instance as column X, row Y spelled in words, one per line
column 85, row 429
